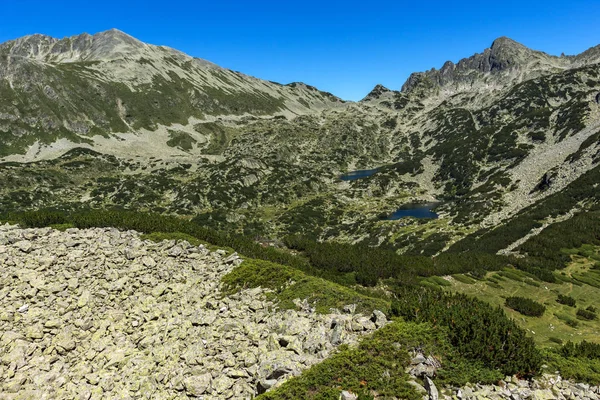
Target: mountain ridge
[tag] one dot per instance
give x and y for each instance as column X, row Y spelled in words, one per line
column 503, row 55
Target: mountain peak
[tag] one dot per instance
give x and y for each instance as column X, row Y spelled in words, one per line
column 116, row 35
column 504, row 41
column 107, row 45
column 377, row 91
column 504, row 54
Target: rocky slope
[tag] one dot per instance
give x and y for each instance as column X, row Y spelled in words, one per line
column 57, row 93
column 100, row 313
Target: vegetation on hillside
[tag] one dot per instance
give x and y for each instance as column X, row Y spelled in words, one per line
column 525, row 306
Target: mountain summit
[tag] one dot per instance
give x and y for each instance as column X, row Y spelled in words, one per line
column 505, row 61
column 104, row 46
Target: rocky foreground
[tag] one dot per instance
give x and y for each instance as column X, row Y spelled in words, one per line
column 100, row 313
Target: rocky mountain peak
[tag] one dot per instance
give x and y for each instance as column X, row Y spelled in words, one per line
column 503, row 55
column 505, row 42
column 108, row 45
column 377, row 91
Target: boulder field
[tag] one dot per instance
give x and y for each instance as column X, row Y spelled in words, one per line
column 101, row 313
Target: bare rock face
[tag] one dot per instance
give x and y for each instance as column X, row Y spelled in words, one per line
column 101, row 314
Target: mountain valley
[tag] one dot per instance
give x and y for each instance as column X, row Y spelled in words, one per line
column 501, row 150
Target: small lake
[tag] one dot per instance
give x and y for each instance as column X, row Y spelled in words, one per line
column 354, row 175
column 422, row 210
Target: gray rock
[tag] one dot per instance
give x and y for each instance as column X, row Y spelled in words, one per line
column 418, row 359
column 266, row 384
column 23, row 309
column 346, row 395
column 337, row 335
column 378, row 318
column 431, row 389
column 175, row 251
column 148, row 261
column 350, row 309
column 197, row 385
column 222, row 383
column 24, row 245
column 231, row 258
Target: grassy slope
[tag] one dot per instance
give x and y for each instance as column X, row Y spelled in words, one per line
column 552, row 324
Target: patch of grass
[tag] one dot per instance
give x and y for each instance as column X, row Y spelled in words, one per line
column 62, row 227
column 437, row 280
column 288, row 284
column 560, row 321
column 467, row 280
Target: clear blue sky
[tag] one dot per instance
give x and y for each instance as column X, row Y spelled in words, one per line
column 343, row 47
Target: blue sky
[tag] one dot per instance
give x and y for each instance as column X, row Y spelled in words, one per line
column 343, row 47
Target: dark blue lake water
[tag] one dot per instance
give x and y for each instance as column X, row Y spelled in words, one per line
column 354, row 175
column 415, row 210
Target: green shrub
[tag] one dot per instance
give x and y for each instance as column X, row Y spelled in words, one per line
column 525, row 306
column 583, row 349
column 478, row 331
column 376, row 364
column 566, row 300
column 579, row 369
column 464, row 279
column 585, row 314
column 556, row 340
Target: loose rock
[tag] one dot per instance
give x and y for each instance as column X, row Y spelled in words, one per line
column 109, row 315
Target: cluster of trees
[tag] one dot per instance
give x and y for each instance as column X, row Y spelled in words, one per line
column 588, row 314
column 566, row 300
column 583, row 350
column 525, row 306
column 480, row 332
column 370, row 264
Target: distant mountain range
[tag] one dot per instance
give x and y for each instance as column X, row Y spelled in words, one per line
column 105, row 120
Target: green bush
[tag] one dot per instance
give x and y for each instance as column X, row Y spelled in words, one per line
column 579, row 369
column 376, row 364
column 478, row 331
column 556, row 340
column 525, row 306
column 566, row 300
column 583, row 349
column 586, row 314
column 464, row 279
